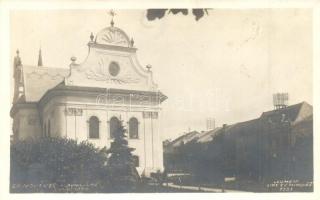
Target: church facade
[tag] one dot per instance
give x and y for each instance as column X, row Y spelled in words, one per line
column 88, row 101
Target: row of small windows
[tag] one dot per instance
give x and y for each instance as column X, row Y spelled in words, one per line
column 94, row 127
column 115, row 124
column 94, row 130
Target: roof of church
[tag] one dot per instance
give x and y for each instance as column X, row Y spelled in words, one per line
column 38, row 80
column 61, row 86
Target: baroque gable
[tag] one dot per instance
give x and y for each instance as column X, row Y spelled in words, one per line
column 111, row 63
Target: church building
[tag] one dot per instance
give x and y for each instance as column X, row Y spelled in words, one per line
column 88, row 101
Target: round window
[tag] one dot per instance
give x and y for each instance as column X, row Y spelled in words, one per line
column 114, row 69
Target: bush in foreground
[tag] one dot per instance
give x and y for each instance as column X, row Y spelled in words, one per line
column 58, row 162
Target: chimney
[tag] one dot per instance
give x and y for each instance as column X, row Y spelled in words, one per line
column 40, row 59
column 211, row 123
column 280, row 100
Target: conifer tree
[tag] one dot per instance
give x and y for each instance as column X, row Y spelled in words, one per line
column 121, row 166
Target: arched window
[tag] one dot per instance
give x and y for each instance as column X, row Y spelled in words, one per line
column 133, row 128
column 94, row 127
column 136, row 161
column 114, row 126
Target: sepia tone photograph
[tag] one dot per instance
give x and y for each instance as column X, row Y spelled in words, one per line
column 172, row 100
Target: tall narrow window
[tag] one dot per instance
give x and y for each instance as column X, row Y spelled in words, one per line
column 114, row 126
column 45, row 130
column 49, row 129
column 133, row 128
column 136, row 161
column 94, row 127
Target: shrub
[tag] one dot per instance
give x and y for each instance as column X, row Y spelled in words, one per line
column 57, row 161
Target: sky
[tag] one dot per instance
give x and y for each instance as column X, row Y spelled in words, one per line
column 227, row 65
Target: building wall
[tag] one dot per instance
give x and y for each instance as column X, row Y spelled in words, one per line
column 261, row 150
column 26, row 123
column 69, row 118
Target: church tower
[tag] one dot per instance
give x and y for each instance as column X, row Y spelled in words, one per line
column 18, row 77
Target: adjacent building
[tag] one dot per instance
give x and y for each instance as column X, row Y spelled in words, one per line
column 276, row 146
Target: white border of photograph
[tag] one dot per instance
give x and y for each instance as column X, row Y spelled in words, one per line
column 5, row 76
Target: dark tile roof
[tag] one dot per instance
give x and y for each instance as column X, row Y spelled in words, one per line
column 208, row 135
column 38, row 80
column 185, row 138
column 299, row 114
column 293, row 113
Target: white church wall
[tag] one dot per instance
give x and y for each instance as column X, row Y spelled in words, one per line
column 50, row 119
column 61, row 120
column 139, row 143
column 157, row 143
column 149, row 146
column 70, row 120
column 70, row 116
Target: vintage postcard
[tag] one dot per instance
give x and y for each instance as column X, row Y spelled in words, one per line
column 166, row 99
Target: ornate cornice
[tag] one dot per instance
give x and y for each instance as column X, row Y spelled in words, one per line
column 112, row 47
column 103, row 96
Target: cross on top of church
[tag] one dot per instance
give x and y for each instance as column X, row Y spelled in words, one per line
column 112, row 13
column 149, row 67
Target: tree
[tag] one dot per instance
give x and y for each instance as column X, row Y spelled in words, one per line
column 152, row 14
column 121, row 166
